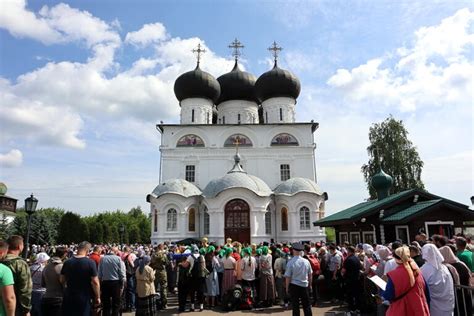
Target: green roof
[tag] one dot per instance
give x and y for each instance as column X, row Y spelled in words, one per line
column 412, row 210
column 361, row 208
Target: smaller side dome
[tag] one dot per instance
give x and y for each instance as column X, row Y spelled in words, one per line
column 237, row 85
column 197, row 84
column 297, row 185
column 3, row 188
column 175, row 186
column 382, row 183
column 277, row 83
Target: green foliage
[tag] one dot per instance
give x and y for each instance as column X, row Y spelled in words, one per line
column 55, row 226
column 398, row 157
column 330, row 234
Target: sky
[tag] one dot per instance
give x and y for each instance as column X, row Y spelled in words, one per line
column 83, row 84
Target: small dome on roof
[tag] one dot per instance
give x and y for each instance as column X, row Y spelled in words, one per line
column 3, row 188
column 237, row 180
column 277, row 83
column 296, row 185
column 197, row 84
column 176, row 186
column 237, row 85
column 381, row 181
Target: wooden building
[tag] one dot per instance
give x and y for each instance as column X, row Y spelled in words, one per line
column 399, row 216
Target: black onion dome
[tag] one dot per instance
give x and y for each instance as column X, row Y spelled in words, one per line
column 197, row 84
column 237, row 85
column 277, row 83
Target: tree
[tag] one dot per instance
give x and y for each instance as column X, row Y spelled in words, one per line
column 71, row 229
column 391, row 150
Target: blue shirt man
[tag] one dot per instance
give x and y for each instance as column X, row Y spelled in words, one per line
column 298, row 275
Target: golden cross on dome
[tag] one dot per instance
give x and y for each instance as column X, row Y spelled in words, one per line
column 275, row 49
column 198, row 52
column 236, row 45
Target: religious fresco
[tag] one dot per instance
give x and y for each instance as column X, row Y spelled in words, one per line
column 190, row 140
column 284, row 139
column 242, row 140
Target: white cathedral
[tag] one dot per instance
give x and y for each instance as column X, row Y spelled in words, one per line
column 238, row 165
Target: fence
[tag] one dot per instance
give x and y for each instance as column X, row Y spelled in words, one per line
column 463, row 299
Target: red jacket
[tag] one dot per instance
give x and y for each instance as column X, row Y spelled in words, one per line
column 95, row 257
column 414, row 301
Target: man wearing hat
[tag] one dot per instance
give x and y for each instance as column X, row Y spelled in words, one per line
column 298, row 275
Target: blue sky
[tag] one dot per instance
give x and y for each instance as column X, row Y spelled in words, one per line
column 83, row 83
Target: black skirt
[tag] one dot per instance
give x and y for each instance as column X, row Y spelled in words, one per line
column 148, row 306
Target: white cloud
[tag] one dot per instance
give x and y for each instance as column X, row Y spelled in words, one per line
column 14, row 158
column 435, row 71
column 148, row 34
column 57, row 24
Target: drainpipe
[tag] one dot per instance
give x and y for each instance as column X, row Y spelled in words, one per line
column 375, row 233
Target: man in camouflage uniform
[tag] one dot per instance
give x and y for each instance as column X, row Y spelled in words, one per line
column 159, row 262
column 21, row 275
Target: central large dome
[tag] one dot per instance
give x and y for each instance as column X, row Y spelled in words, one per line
column 237, row 85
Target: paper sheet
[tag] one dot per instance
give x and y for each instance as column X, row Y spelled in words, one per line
column 379, row 282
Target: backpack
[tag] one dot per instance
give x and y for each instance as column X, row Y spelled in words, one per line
column 315, row 266
column 232, row 298
column 196, row 270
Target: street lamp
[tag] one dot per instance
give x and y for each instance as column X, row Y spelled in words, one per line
column 122, row 231
column 30, row 208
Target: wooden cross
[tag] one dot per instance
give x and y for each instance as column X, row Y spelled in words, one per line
column 198, row 52
column 236, row 45
column 275, row 49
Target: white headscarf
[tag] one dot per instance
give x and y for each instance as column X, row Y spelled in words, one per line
column 42, row 257
column 431, row 254
column 368, row 249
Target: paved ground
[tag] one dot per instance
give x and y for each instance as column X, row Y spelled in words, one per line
column 325, row 309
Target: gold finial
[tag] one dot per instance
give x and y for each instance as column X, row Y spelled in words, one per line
column 236, row 45
column 198, row 51
column 275, row 49
column 237, row 143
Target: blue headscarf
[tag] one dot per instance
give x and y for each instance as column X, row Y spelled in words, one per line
column 143, row 261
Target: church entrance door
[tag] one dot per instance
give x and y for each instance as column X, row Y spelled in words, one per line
column 237, row 221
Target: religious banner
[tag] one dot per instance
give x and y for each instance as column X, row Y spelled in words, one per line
column 284, row 139
column 190, row 140
column 241, row 140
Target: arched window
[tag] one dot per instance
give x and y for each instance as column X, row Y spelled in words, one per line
column 242, row 140
column 284, row 219
column 155, row 220
column 206, row 224
column 172, row 220
column 238, row 118
column 190, row 140
column 268, row 222
column 304, row 218
column 192, row 220
column 281, row 114
column 192, row 115
column 284, row 139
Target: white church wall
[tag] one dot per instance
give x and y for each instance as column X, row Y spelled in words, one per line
column 202, row 111
column 182, row 206
column 279, row 110
column 228, row 112
column 214, row 160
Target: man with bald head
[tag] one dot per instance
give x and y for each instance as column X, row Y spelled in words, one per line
column 112, row 275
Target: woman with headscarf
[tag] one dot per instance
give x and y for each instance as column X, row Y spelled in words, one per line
column 267, row 283
column 370, row 260
column 196, row 263
column 406, row 289
column 384, row 254
column 212, row 280
column 280, row 267
column 461, row 276
column 36, row 276
column 145, row 276
column 248, row 265
column 439, row 281
column 229, row 264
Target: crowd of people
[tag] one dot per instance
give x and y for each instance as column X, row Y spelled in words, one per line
column 81, row 279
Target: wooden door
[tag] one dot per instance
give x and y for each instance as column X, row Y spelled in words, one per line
column 237, row 221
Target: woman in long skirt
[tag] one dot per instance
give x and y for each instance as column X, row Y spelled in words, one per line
column 145, row 275
column 212, row 280
column 267, row 284
column 229, row 271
